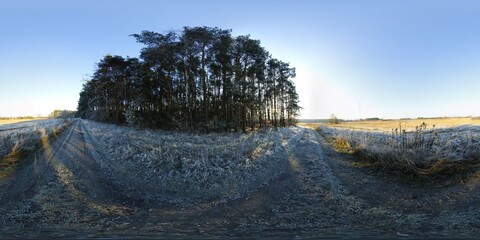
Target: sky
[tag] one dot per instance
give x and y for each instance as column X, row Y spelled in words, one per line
column 354, row 59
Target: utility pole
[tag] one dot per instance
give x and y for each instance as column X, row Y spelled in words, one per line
column 359, row 111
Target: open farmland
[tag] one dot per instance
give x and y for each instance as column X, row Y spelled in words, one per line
column 17, row 120
column 101, row 180
column 427, row 146
column 388, row 125
column 423, row 151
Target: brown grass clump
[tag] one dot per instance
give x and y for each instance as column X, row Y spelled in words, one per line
column 342, row 145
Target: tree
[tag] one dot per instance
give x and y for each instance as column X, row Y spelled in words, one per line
column 62, row 114
column 200, row 78
column 334, row 119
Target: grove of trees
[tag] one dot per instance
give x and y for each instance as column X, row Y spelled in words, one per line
column 62, row 114
column 200, row 78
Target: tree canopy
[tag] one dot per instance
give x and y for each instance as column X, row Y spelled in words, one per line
column 200, row 78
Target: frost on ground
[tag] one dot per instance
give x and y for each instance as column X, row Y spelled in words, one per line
column 177, row 167
column 25, row 137
column 424, row 151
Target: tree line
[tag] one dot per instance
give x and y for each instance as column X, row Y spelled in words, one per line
column 62, row 114
column 199, row 78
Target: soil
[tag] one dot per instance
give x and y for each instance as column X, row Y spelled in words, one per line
column 64, row 192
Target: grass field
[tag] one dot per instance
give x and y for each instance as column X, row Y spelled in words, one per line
column 9, row 121
column 23, row 138
column 451, row 147
column 191, row 166
column 408, row 124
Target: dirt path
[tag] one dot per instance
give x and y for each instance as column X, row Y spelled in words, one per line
column 64, row 192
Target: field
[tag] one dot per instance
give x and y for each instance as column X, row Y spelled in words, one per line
column 20, row 138
column 78, row 178
column 388, row 125
column 187, row 167
column 17, row 120
column 420, row 147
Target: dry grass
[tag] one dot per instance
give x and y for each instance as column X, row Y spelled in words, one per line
column 388, row 125
column 424, row 152
column 179, row 167
column 17, row 144
column 10, row 121
column 312, row 125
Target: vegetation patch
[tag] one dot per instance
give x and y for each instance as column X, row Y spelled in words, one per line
column 423, row 152
column 343, row 145
column 197, row 79
column 26, row 138
column 181, row 166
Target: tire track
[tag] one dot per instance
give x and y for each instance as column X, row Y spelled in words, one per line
column 348, row 201
column 308, row 197
column 33, row 174
column 117, row 188
column 318, row 195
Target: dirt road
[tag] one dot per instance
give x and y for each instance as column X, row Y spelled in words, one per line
column 64, row 192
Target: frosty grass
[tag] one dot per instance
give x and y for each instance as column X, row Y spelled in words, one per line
column 179, row 166
column 451, row 145
column 25, row 136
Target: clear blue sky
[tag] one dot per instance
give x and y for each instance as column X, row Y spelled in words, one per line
column 388, row 59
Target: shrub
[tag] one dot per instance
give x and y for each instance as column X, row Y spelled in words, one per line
column 334, row 119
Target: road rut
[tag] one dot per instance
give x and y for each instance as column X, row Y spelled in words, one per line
column 66, row 192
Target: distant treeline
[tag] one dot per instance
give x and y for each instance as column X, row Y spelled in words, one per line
column 62, row 114
column 313, row 120
column 22, row 117
column 199, row 78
